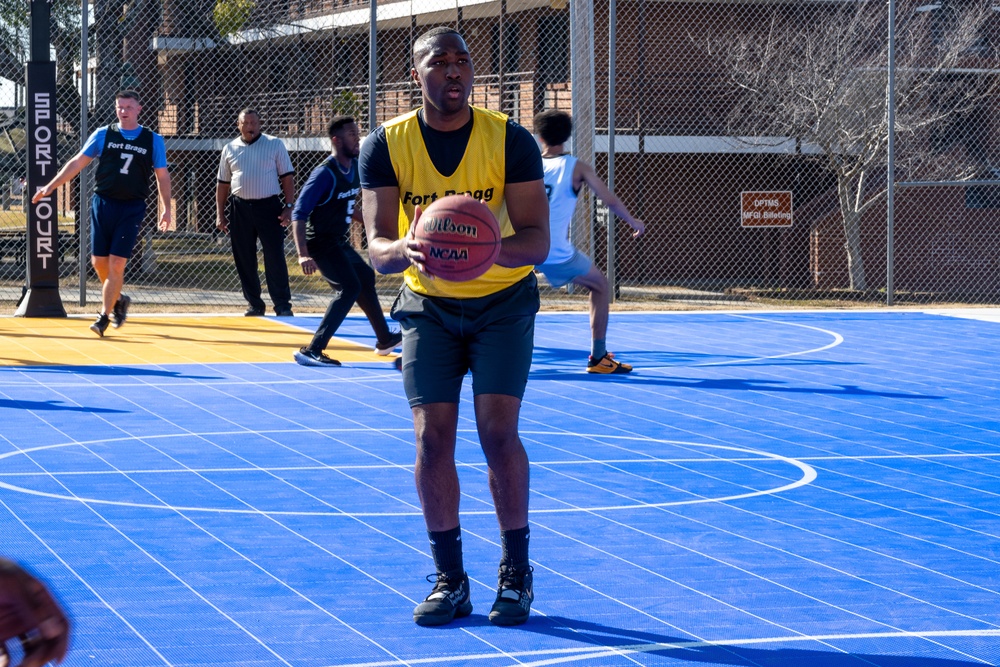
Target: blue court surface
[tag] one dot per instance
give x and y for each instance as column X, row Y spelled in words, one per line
column 771, row 489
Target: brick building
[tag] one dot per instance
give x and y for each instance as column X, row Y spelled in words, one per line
column 301, row 61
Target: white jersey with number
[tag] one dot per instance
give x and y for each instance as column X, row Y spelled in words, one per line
column 562, row 202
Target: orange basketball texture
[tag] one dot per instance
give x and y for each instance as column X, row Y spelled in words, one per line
column 461, row 237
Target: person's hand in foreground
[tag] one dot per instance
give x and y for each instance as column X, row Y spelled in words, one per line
column 29, row 613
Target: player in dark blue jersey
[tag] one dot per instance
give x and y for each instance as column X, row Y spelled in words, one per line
column 128, row 153
column 321, row 224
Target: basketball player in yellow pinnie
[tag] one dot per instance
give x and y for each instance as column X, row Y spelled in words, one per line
column 484, row 325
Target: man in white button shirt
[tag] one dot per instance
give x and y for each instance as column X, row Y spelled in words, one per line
column 256, row 179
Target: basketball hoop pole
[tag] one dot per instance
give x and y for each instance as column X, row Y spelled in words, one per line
column 41, row 296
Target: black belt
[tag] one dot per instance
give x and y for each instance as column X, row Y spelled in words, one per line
column 252, row 202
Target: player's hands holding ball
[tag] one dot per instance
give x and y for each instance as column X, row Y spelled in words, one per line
column 456, row 238
column 413, row 248
column 29, row 614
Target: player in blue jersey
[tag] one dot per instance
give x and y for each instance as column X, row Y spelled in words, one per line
column 128, row 153
column 321, row 224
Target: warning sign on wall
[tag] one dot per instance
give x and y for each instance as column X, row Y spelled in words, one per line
column 766, row 209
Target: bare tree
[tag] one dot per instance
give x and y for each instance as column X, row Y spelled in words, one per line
column 820, row 77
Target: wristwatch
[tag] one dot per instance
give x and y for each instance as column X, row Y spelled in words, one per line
column 289, row 205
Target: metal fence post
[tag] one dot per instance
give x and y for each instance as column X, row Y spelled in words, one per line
column 612, row 274
column 890, row 192
column 372, row 64
column 83, row 224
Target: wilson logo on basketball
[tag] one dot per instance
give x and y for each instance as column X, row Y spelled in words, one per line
column 434, row 225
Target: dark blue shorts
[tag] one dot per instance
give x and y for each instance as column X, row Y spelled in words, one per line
column 115, row 225
column 443, row 339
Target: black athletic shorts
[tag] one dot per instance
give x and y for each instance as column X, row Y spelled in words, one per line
column 443, row 339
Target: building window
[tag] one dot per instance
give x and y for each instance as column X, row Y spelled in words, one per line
column 553, row 48
column 984, row 196
column 511, row 51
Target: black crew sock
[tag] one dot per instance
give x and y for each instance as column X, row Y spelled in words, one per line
column 515, row 547
column 446, row 548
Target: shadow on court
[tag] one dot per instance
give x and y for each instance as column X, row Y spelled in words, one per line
column 54, row 405
column 631, row 641
column 637, row 378
column 739, row 384
column 577, row 359
column 114, row 371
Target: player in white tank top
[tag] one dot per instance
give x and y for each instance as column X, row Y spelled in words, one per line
column 564, row 176
column 562, row 202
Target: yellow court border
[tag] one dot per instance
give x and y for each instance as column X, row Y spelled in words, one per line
column 159, row 340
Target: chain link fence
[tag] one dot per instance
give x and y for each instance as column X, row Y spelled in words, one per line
column 752, row 138
column 757, row 142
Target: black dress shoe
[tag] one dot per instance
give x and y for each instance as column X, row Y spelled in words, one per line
column 284, row 312
column 254, row 312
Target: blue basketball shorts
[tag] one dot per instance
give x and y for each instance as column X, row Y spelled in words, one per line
column 115, row 225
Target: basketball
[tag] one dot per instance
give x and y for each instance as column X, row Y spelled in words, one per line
column 462, row 237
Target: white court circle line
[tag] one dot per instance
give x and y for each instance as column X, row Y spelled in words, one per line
column 808, row 475
column 837, row 340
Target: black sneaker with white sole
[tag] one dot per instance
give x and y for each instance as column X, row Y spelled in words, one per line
column 448, row 600
column 309, row 357
column 100, row 325
column 384, row 348
column 120, row 312
column 514, row 596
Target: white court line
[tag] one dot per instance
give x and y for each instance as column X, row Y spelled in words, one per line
column 494, row 656
column 86, row 584
column 478, row 466
column 880, row 457
column 808, row 476
column 592, row 653
column 837, row 340
column 981, row 314
column 191, row 586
